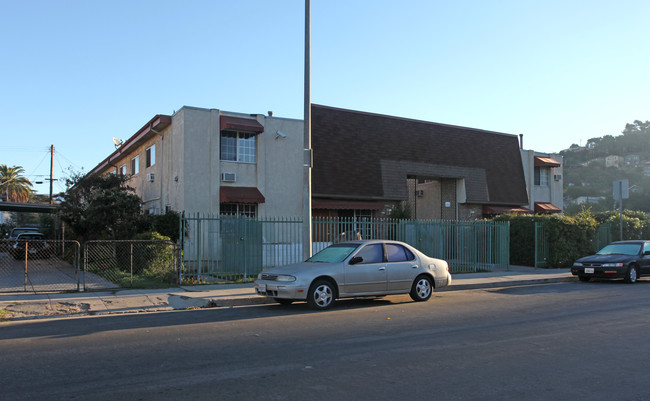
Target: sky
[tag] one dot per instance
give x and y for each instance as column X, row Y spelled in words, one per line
column 75, row 74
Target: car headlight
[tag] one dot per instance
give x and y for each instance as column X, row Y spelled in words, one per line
column 285, row 278
column 612, row 264
column 259, row 276
column 577, row 264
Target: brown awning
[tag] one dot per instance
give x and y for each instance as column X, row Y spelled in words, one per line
column 241, row 195
column 545, row 162
column 545, row 207
column 505, row 210
column 343, row 204
column 240, row 124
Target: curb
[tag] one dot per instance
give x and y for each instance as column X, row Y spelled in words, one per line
column 168, row 302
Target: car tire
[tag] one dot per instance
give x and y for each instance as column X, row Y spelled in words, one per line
column 632, row 274
column 584, row 279
column 283, row 301
column 421, row 289
column 321, row 295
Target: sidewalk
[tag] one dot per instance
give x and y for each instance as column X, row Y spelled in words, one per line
column 23, row 306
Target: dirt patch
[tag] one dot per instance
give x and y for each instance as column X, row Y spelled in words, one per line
column 33, row 310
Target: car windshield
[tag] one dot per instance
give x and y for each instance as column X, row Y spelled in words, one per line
column 334, row 253
column 620, row 249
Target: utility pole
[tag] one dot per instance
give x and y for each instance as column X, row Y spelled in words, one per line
column 51, row 171
column 307, row 153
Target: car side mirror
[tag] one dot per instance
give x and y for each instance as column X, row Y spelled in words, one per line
column 355, row 260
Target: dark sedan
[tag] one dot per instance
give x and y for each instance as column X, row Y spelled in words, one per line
column 628, row 260
column 31, row 245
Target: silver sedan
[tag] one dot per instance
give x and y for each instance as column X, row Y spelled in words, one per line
column 355, row 269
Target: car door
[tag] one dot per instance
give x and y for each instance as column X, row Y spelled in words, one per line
column 401, row 267
column 369, row 275
column 644, row 261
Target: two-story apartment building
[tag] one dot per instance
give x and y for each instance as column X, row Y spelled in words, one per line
column 213, row 161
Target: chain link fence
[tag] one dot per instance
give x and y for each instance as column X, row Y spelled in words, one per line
column 129, row 264
column 59, row 266
column 38, row 265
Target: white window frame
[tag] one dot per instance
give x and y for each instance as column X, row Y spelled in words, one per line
column 541, row 176
column 150, row 156
column 244, row 144
column 135, row 165
column 122, row 170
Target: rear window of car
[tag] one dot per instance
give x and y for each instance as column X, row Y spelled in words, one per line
column 397, row 253
column 30, row 236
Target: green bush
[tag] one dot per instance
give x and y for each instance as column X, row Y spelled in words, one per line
column 155, row 258
column 569, row 237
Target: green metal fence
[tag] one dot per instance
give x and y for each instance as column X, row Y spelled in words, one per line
column 236, row 249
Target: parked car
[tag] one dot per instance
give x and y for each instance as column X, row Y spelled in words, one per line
column 12, row 235
column 628, row 260
column 355, row 269
column 37, row 246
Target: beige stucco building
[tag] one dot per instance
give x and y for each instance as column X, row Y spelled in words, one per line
column 214, row 161
column 544, row 181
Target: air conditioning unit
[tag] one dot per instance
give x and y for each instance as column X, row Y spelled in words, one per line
column 150, row 177
column 228, row 177
column 557, row 177
column 419, row 193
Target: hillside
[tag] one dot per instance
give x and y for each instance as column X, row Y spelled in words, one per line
column 587, row 174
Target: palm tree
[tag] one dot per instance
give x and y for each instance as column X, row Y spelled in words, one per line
column 13, row 185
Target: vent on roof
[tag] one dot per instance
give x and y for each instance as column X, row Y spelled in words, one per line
column 228, row 177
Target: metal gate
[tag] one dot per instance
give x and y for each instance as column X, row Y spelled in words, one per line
column 542, row 248
column 39, row 266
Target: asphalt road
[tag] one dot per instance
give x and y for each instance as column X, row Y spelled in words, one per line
column 569, row 341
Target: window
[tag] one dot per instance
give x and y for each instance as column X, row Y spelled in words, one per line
column 397, row 253
column 541, row 176
column 238, row 209
column 123, row 169
column 373, row 253
column 237, row 146
column 135, row 165
column 151, row 156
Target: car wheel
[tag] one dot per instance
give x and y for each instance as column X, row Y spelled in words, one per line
column 584, row 278
column 421, row 289
column 632, row 274
column 283, row 301
column 321, row 295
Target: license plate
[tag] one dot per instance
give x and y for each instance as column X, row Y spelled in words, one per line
column 589, row 270
column 262, row 287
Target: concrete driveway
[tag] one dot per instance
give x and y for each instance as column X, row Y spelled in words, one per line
column 43, row 275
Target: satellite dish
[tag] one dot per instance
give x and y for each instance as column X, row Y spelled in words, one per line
column 117, row 142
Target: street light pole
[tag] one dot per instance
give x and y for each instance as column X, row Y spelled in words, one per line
column 307, row 153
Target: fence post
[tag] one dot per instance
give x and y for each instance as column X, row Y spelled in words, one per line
column 26, row 246
column 131, row 262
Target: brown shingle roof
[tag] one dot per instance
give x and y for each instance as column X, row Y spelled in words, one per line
column 351, row 149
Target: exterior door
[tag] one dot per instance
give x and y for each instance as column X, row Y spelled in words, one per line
column 370, row 274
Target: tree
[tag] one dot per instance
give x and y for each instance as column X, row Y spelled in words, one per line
column 101, row 207
column 13, row 185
